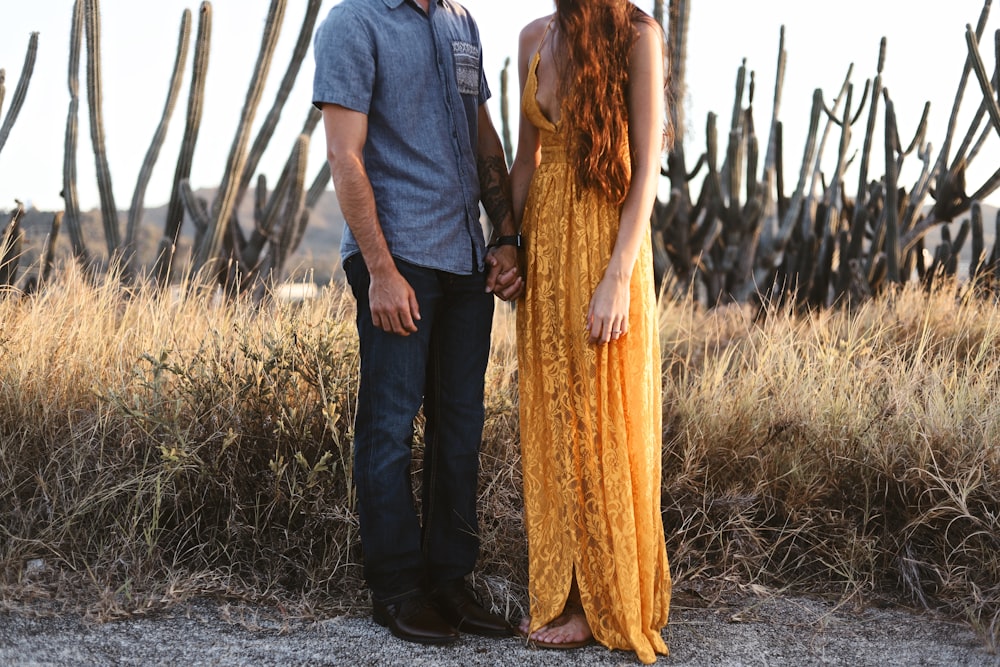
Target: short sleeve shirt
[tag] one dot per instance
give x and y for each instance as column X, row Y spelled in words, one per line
column 419, row 79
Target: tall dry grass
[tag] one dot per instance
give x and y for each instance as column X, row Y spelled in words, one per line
column 155, row 447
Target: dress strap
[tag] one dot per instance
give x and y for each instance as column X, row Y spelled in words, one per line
column 538, row 51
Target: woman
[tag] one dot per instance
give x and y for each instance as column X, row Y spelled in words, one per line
column 584, row 181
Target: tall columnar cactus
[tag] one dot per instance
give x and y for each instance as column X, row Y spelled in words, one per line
column 109, row 212
column 508, row 146
column 182, row 170
column 208, row 250
column 280, row 221
column 139, row 194
column 743, row 239
column 72, row 217
column 284, row 90
column 282, row 247
column 20, row 91
column 49, row 253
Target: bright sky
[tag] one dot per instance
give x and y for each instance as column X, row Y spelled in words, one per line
column 926, row 51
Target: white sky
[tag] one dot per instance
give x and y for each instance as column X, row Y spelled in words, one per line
column 926, row 51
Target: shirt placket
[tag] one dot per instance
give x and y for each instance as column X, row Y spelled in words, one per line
column 453, row 103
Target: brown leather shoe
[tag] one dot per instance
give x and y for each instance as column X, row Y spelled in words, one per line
column 414, row 620
column 461, row 607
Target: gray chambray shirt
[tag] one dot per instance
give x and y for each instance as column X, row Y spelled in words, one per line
column 419, row 78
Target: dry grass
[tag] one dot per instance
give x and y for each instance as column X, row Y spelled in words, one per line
column 152, row 449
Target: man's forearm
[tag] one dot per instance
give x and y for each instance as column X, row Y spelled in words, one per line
column 494, row 186
column 357, row 203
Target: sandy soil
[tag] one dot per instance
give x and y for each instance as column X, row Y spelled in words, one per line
column 764, row 630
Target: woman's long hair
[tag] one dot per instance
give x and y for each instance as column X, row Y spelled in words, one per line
column 598, row 36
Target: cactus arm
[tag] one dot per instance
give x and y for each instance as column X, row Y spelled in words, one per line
column 294, row 204
column 72, row 217
column 989, row 95
column 194, row 206
column 892, row 254
column 139, row 194
column 208, row 249
column 508, row 146
column 267, row 128
column 109, row 212
column 49, row 254
column 21, row 90
column 941, row 166
column 182, row 170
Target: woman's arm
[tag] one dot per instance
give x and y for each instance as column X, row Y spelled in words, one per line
column 528, row 153
column 608, row 312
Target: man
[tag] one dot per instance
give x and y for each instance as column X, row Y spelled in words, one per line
column 413, row 152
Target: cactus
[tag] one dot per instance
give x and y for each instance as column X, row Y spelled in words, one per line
column 281, row 221
column 139, row 194
column 72, row 215
column 742, row 242
column 182, row 169
column 20, row 91
column 284, row 90
column 109, row 212
column 49, row 254
column 508, row 146
column 208, row 250
column 292, row 218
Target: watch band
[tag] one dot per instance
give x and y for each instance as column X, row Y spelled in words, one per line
column 514, row 240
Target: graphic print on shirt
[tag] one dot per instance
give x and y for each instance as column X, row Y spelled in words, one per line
column 467, row 58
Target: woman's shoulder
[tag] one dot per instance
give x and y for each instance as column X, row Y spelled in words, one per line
column 532, row 33
column 649, row 36
column 647, row 27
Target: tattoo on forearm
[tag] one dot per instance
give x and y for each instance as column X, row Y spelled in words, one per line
column 494, row 186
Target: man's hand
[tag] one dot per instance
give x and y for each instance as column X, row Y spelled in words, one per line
column 393, row 303
column 503, row 274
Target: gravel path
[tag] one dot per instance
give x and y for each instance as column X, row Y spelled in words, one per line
column 753, row 631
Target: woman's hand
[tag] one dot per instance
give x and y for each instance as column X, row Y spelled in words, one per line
column 607, row 317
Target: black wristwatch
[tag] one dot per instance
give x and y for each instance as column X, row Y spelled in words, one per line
column 514, row 240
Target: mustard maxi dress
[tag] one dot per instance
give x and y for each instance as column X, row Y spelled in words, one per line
column 590, row 415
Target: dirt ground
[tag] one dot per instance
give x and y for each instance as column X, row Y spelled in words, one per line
column 738, row 630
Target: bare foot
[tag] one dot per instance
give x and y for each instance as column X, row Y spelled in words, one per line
column 524, row 626
column 570, row 627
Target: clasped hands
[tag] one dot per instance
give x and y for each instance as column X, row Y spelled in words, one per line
column 394, row 305
column 503, row 273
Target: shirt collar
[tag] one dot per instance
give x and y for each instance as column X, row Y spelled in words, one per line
column 393, row 4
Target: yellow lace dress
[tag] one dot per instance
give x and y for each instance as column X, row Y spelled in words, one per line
column 590, row 415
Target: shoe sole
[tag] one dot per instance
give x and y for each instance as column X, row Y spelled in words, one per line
column 380, row 620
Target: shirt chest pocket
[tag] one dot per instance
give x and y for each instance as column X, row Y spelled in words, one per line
column 466, row 57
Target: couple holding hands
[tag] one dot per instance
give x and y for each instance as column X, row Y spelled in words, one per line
column 414, row 154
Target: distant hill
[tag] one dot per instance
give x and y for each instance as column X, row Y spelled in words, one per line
column 318, row 252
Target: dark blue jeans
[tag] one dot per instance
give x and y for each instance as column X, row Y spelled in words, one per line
column 442, row 367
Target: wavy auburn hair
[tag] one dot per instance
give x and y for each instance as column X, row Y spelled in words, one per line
column 597, row 37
